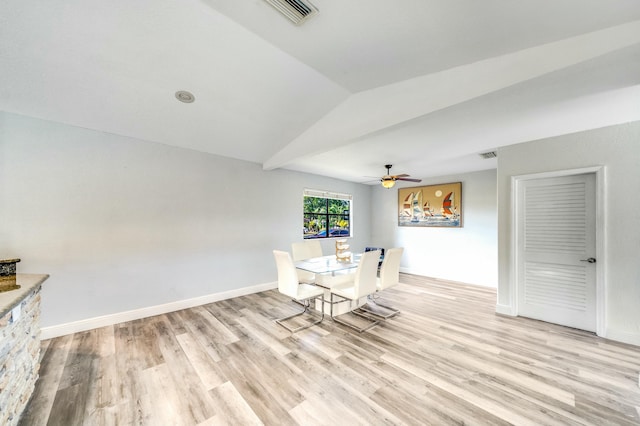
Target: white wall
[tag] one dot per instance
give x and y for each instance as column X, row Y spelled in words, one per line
column 468, row 254
column 122, row 224
column 618, row 149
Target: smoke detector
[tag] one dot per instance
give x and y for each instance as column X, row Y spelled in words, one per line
column 297, row 11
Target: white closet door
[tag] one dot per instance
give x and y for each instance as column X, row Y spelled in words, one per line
column 556, row 243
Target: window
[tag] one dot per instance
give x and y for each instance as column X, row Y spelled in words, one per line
column 326, row 214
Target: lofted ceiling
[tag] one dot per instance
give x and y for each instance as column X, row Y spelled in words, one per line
column 422, row 84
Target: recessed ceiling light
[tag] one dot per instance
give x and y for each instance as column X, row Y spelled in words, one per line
column 184, row 96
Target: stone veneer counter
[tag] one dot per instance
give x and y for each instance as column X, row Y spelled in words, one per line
column 19, row 346
column 27, row 283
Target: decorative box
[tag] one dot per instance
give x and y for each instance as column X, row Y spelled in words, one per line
column 8, row 274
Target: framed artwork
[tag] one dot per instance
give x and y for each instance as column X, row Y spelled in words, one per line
column 431, row 206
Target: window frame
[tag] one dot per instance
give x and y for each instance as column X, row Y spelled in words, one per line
column 326, row 215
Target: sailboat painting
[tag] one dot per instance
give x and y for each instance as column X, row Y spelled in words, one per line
column 431, row 206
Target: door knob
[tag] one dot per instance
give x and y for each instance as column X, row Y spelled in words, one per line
column 590, row 260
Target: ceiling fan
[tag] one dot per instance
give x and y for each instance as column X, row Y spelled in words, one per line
column 389, row 180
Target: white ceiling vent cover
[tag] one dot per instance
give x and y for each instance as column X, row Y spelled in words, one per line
column 296, row 10
column 490, row 154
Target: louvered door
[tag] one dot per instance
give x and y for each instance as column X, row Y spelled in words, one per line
column 556, row 237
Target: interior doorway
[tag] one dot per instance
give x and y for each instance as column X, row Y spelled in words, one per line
column 557, row 246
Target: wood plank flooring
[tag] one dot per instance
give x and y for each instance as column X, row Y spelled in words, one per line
column 446, row 359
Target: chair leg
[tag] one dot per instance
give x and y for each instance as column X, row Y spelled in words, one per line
column 359, row 329
column 306, row 304
column 392, row 311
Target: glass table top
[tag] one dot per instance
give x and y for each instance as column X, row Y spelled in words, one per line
column 327, row 264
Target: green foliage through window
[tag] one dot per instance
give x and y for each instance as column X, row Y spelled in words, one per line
column 326, row 217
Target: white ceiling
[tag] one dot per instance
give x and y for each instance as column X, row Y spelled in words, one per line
column 425, row 85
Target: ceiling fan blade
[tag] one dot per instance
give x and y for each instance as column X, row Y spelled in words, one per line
column 403, row 176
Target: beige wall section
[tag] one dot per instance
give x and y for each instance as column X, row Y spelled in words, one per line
column 122, row 224
column 617, row 148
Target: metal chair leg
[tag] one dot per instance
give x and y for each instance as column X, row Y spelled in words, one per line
column 306, row 305
column 392, row 311
column 372, row 323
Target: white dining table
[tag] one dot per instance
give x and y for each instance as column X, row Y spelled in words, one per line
column 326, row 265
column 329, row 273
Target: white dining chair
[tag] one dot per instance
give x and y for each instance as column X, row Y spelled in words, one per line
column 389, row 276
column 306, row 250
column 289, row 285
column 363, row 285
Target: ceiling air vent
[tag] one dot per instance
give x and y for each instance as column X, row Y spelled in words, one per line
column 487, row 155
column 296, row 10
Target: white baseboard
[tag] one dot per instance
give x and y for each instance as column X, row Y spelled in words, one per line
column 413, row 272
column 505, row 310
column 618, row 336
column 106, row 320
column 623, row 336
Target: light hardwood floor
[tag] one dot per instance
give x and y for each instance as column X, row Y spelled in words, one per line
column 446, row 359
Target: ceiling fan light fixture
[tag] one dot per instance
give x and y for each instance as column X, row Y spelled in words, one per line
column 389, row 180
column 388, row 183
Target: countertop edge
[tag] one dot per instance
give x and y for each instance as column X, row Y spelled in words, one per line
column 28, row 284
